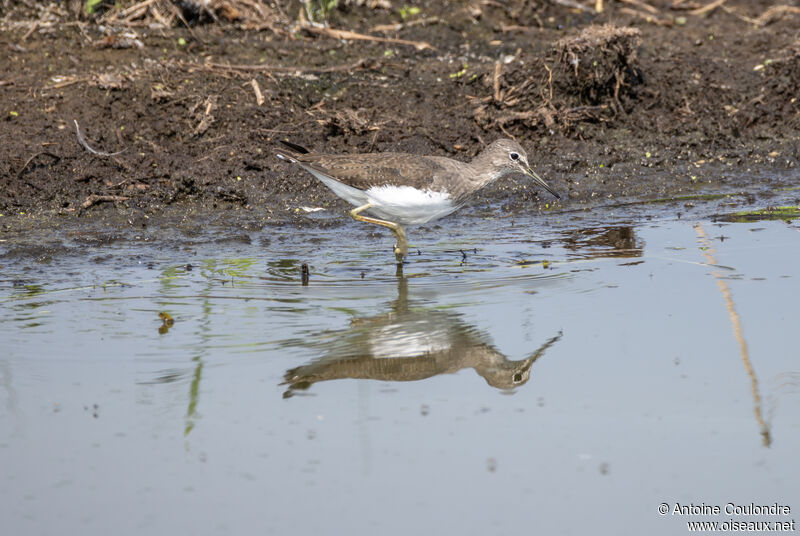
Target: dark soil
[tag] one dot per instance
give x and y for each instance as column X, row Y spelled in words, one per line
column 646, row 108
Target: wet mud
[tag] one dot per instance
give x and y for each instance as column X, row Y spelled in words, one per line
column 140, row 122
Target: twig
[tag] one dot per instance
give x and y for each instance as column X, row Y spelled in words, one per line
column 399, row 26
column 82, row 141
column 280, row 69
column 346, row 34
column 134, row 8
column 642, row 5
column 508, row 28
column 549, row 83
column 573, row 4
column 498, row 72
column 257, row 91
column 774, row 13
column 40, row 153
column 34, row 27
column 68, row 82
column 94, row 199
column 709, row 7
column 646, row 16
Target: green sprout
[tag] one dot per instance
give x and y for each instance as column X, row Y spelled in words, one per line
column 319, row 10
column 407, row 11
column 460, row 73
column 92, row 5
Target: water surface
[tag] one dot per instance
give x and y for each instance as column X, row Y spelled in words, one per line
column 561, row 375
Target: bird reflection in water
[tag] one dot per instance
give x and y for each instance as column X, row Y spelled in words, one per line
column 410, row 344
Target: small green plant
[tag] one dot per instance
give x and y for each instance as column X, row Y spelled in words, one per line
column 408, row 11
column 319, row 10
column 92, row 5
column 460, row 73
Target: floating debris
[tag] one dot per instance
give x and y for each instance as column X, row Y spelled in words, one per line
column 304, row 274
column 166, row 322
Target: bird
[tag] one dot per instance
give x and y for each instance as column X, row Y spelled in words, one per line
column 395, row 190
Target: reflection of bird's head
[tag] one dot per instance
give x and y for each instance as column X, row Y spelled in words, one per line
column 508, row 375
column 297, row 381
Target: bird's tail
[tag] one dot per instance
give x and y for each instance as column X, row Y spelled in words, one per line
column 294, row 147
column 286, row 157
column 297, row 149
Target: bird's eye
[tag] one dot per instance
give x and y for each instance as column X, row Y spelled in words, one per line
column 514, row 156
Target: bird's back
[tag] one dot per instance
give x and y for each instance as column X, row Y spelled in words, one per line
column 368, row 170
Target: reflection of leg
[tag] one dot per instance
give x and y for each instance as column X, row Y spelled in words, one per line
column 401, row 247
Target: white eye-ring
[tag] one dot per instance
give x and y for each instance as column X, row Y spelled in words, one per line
column 514, row 156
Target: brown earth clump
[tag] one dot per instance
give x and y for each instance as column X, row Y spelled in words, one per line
column 583, row 78
column 600, row 62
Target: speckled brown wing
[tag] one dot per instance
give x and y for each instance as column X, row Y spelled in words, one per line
column 364, row 171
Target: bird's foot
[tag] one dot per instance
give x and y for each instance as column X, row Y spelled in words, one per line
column 401, row 246
column 400, row 253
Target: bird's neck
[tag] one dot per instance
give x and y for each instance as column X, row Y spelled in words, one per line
column 484, row 171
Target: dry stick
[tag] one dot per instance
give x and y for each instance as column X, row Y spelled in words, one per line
column 29, row 32
column 508, row 28
column 82, row 141
column 399, row 26
column 774, row 13
column 159, row 17
column 136, row 7
column 346, row 34
column 65, row 83
column 94, row 199
column 498, row 72
column 705, row 9
column 576, row 5
column 549, row 83
column 646, row 16
column 739, row 16
column 257, row 91
column 642, row 5
column 281, row 69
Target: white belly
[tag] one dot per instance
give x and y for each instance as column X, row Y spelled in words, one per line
column 408, row 206
column 399, row 204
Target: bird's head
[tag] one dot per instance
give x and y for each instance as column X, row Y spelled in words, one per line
column 507, row 156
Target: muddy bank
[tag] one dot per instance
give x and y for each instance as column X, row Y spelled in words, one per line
column 624, row 105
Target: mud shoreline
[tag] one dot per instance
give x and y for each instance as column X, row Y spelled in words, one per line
column 677, row 105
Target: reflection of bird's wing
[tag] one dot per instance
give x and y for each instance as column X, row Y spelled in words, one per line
column 364, row 367
column 365, row 171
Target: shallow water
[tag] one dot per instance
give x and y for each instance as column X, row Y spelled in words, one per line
column 565, row 377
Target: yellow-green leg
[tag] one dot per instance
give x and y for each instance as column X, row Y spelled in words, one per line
column 401, row 247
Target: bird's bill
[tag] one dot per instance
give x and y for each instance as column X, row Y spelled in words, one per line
column 540, row 181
